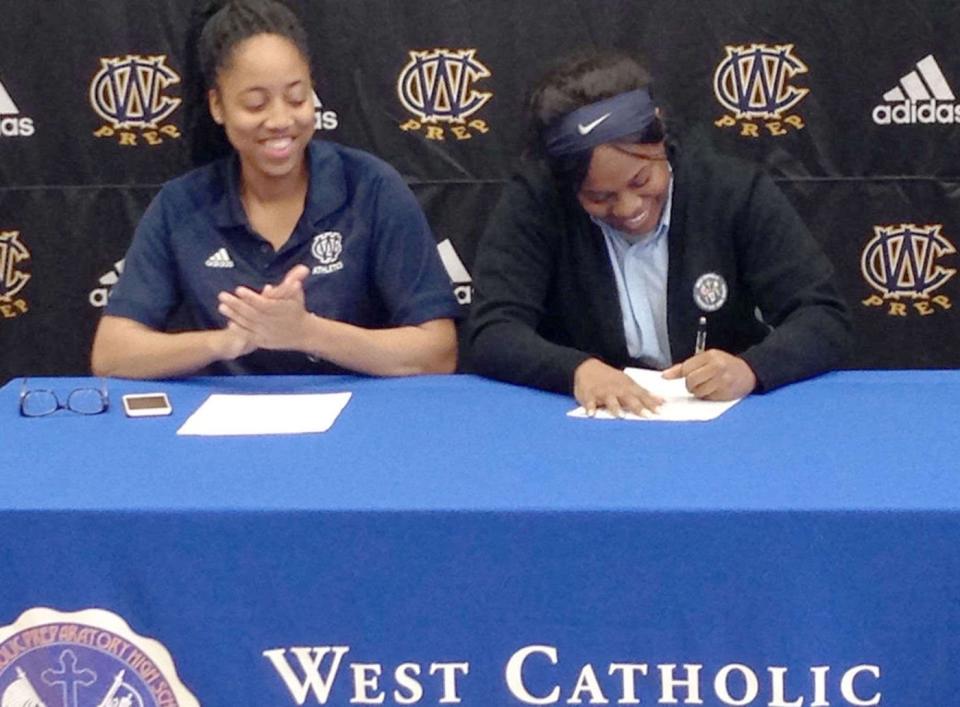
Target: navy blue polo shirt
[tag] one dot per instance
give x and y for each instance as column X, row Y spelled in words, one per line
column 373, row 260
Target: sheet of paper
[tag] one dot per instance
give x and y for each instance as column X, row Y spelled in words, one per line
column 265, row 414
column 679, row 404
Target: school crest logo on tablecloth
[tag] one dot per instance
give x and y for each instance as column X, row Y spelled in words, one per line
column 88, row 658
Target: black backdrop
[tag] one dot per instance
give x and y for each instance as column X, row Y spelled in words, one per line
column 853, row 106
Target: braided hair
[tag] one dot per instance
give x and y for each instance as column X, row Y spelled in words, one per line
column 216, row 28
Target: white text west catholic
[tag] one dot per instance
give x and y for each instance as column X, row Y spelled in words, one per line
column 316, row 669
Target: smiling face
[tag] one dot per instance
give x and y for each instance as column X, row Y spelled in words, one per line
column 626, row 186
column 263, row 99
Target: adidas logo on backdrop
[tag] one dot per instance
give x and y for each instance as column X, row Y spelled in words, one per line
column 462, row 282
column 11, row 123
column 220, row 259
column 922, row 96
column 99, row 295
column 325, row 119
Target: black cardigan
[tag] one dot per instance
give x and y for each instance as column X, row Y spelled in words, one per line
column 545, row 297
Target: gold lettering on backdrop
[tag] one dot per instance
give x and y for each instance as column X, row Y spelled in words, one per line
column 923, row 307
column 775, row 129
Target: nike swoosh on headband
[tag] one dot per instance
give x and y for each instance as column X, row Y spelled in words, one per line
column 604, row 121
column 588, row 128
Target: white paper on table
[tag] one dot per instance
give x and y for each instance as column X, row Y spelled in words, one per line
column 679, row 404
column 265, row 414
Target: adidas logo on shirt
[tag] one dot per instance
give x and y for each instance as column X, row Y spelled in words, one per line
column 11, row 124
column 922, row 96
column 220, row 259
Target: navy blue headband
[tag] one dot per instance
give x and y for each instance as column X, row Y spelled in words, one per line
column 597, row 123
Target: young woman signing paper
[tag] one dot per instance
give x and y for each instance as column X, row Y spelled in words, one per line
column 614, row 239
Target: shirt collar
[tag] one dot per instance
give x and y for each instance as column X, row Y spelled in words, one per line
column 326, row 192
column 328, row 181
column 228, row 211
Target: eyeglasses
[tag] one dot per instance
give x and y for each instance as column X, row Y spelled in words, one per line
column 37, row 402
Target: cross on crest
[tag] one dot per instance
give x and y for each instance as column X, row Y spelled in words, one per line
column 69, row 677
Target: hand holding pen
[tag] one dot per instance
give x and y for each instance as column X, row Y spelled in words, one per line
column 701, row 344
column 713, row 374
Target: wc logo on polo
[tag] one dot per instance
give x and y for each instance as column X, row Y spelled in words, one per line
column 13, row 254
column 462, row 282
column 921, row 96
column 325, row 119
column 326, row 248
column 12, row 124
column 88, row 658
column 905, row 262
column 130, row 94
column 437, row 86
column 755, row 84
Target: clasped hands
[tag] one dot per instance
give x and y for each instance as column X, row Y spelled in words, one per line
column 272, row 319
column 711, row 375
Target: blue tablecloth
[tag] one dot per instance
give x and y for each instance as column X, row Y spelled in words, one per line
column 804, row 546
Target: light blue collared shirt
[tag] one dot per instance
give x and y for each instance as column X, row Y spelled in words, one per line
column 640, row 267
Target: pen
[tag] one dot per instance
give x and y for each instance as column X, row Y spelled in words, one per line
column 701, row 344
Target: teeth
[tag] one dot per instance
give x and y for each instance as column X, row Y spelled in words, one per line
column 279, row 143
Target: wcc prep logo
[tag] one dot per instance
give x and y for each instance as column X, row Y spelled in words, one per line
column 12, row 123
column 87, row 658
column 755, row 83
column 921, row 96
column 131, row 95
column 906, row 262
column 438, row 87
column 13, row 278
column 326, row 248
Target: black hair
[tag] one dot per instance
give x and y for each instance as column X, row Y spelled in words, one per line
column 216, row 28
column 579, row 81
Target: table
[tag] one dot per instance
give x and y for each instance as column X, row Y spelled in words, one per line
column 453, row 540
